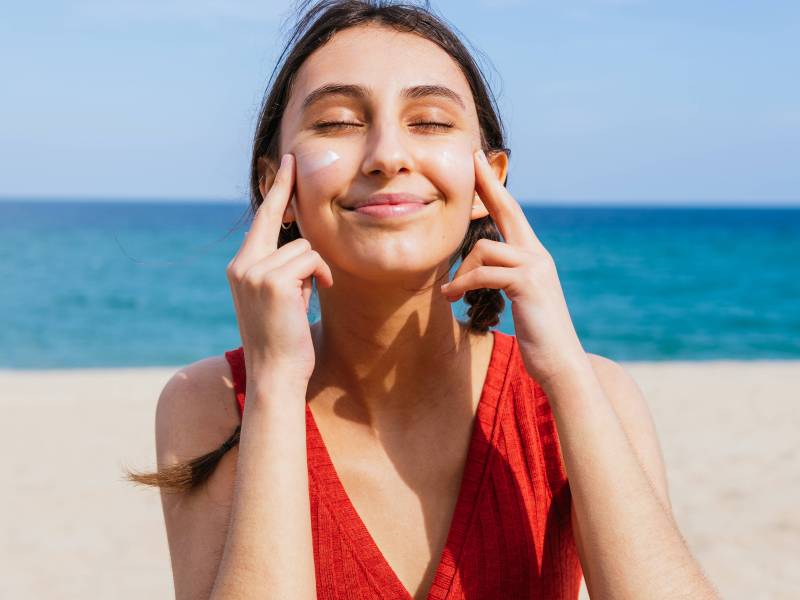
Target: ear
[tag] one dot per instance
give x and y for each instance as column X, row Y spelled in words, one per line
column 498, row 161
column 267, row 169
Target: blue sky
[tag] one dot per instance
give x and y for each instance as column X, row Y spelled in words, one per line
column 628, row 101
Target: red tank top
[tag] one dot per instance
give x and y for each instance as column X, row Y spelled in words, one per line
column 510, row 536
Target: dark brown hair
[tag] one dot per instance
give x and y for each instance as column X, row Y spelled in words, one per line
column 316, row 26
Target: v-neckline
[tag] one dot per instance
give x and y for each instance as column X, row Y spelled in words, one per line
column 472, row 478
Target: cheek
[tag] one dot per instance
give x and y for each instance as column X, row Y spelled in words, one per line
column 452, row 169
column 325, row 172
column 311, row 163
column 320, row 173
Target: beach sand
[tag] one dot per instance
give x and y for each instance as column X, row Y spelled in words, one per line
column 73, row 528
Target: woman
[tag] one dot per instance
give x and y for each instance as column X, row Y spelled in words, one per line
column 389, row 450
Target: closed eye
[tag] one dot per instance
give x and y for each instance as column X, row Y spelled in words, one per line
column 434, row 125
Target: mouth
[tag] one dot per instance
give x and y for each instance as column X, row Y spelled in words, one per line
column 383, row 211
column 388, row 205
column 409, row 201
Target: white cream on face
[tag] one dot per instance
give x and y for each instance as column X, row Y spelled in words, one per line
column 323, row 172
column 315, row 160
column 446, row 159
column 454, row 162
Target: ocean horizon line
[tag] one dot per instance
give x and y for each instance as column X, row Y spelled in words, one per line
column 537, row 202
column 143, row 283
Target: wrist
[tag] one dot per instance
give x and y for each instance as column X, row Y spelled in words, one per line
column 574, row 374
column 276, row 383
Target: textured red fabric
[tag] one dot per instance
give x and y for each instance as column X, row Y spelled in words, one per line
column 510, row 536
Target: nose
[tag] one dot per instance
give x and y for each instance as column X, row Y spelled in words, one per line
column 386, row 153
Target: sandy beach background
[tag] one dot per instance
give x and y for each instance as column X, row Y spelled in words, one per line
column 72, row 528
column 657, row 174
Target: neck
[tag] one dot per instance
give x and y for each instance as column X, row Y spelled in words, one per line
column 388, row 352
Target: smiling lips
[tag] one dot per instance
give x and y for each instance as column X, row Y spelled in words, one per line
column 389, row 199
column 389, row 205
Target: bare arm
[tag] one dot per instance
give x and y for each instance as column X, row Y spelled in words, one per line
column 236, row 536
column 629, row 544
column 269, row 551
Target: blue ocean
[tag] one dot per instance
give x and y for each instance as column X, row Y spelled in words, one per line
column 110, row 284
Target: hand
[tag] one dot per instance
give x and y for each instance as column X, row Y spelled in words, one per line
column 526, row 271
column 271, row 288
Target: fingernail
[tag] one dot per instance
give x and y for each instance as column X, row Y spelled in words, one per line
column 284, row 160
column 482, row 156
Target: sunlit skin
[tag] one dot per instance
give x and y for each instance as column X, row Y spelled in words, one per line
column 393, row 391
column 386, row 298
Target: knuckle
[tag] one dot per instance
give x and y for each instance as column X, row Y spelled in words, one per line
column 482, row 244
column 300, row 243
column 250, row 280
column 547, row 260
column 234, row 272
column 258, row 279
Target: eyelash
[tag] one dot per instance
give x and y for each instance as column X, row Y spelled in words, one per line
column 341, row 124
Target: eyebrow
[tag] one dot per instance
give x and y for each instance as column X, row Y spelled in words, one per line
column 360, row 92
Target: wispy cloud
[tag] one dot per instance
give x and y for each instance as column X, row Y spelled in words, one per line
column 181, row 11
column 269, row 11
column 615, row 3
column 564, row 4
column 503, row 3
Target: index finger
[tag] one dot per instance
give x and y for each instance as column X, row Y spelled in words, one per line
column 503, row 207
column 262, row 239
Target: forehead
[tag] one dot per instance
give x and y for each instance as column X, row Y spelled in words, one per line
column 382, row 59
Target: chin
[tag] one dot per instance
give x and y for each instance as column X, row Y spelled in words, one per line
column 380, row 267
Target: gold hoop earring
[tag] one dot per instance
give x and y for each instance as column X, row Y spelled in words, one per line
column 284, row 225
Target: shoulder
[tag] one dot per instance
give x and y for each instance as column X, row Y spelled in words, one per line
column 196, row 413
column 196, row 410
column 621, row 388
column 633, row 411
column 613, row 374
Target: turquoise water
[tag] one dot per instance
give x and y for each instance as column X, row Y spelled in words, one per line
column 134, row 284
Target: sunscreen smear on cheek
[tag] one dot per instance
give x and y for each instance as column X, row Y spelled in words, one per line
column 309, row 163
column 454, row 161
column 451, row 166
column 447, row 159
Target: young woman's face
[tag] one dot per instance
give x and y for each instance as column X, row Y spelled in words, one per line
column 405, row 124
